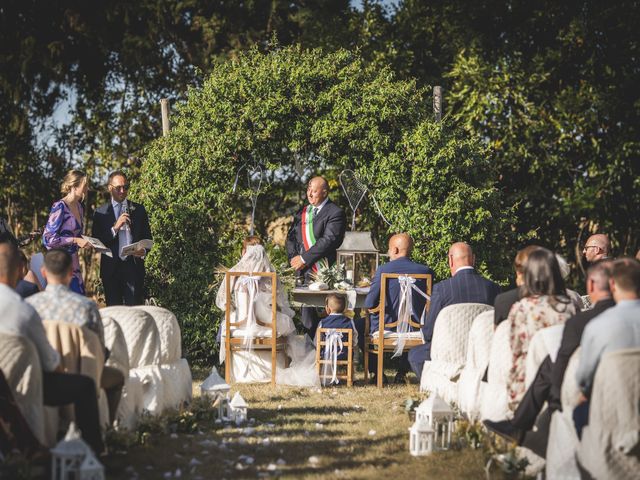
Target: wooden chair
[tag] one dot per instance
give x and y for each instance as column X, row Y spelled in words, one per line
column 320, row 362
column 378, row 344
column 273, row 342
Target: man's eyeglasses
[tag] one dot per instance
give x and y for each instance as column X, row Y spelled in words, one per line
column 121, row 188
column 587, row 247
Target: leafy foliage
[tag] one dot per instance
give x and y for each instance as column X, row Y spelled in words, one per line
column 264, row 109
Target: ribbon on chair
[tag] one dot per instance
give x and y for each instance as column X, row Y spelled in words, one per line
column 405, row 310
column 333, row 348
column 250, row 282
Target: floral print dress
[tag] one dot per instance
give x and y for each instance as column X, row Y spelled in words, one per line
column 527, row 317
column 59, row 233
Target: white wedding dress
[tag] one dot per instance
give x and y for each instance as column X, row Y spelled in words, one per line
column 251, row 365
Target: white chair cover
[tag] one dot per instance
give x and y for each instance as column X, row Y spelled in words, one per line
column 20, row 364
column 610, row 446
column 449, row 349
column 545, row 341
column 470, row 385
column 131, row 402
column 175, row 371
column 563, row 440
column 169, row 330
column 140, row 333
column 145, row 389
column 495, row 404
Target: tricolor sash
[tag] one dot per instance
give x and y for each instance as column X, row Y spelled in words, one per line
column 308, row 238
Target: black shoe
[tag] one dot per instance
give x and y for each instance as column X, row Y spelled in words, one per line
column 400, row 379
column 373, row 380
column 506, row 430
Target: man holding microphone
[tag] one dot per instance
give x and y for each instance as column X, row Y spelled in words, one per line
column 118, row 223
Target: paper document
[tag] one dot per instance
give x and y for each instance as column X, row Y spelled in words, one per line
column 98, row 246
column 129, row 249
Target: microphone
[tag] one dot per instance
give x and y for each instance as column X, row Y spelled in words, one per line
column 125, row 209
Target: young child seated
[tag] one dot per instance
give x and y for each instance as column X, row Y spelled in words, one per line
column 335, row 306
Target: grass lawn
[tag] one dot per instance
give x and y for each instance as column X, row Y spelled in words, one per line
column 359, row 432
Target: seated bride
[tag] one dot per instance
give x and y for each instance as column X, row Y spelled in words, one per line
column 253, row 365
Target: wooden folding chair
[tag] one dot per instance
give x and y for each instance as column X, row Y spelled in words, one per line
column 378, row 344
column 275, row 343
column 320, row 362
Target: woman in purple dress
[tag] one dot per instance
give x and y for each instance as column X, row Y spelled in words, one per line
column 65, row 225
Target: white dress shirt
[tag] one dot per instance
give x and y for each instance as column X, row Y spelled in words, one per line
column 20, row 318
column 124, row 234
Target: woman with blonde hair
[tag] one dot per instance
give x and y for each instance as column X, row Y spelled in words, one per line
column 66, row 223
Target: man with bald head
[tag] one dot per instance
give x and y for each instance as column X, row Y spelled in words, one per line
column 315, row 235
column 400, row 246
column 597, row 247
column 464, row 286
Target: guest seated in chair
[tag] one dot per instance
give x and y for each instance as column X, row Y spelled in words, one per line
column 547, row 384
column 20, row 318
column 464, row 286
column 335, row 306
column 505, row 300
column 58, row 303
column 301, row 371
column 617, row 328
column 400, row 247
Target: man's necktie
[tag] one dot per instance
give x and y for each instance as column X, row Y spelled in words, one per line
column 124, row 235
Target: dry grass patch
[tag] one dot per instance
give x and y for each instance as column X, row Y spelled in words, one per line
column 358, row 432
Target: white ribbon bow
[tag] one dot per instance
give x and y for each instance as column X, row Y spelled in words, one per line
column 333, row 348
column 405, row 311
column 251, row 284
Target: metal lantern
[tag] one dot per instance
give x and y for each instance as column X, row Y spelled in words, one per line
column 90, row 468
column 68, row 454
column 358, row 255
column 238, row 408
column 439, row 416
column 421, row 437
column 214, row 385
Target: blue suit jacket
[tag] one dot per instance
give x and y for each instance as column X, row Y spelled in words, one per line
column 466, row 286
column 399, row 265
column 337, row 321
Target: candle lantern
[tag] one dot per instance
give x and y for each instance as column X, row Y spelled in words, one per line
column 439, row 416
column 69, row 459
column 421, row 437
column 238, row 408
column 359, row 256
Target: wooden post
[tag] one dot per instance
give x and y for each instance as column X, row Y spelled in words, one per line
column 437, row 103
column 164, row 107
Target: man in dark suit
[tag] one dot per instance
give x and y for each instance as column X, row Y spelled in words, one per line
column 548, row 381
column 315, row 235
column 118, row 223
column 464, row 286
column 400, row 246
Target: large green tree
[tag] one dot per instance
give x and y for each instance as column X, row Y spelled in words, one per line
column 264, row 109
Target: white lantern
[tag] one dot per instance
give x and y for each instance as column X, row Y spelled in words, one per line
column 420, row 438
column 214, row 385
column 439, row 416
column 238, row 408
column 68, row 454
column 91, row 468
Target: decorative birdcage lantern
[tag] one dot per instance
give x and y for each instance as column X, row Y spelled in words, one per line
column 439, row 416
column 359, row 256
column 238, row 408
column 421, row 437
column 90, row 468
column 222, row 407
column 69, row 455
column 214, row 385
